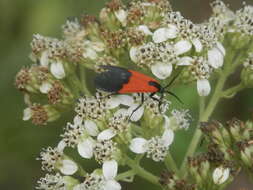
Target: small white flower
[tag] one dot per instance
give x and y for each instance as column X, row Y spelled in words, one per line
column 163, row 34
column 133, row 54
column 57, row 70
column 68, row 167
column 197, row 44
column 182, row 47
column 45, row 87
column 220, row 175
column 27, row 114
column 44, row 60
column 216, row 56
column 91, row 127
column 162, row 70
column 121, row 15
column 203, row 87
column 106, row 134
column 138, row 145
column 85, row 148
column 112, row 185
column 144, row 29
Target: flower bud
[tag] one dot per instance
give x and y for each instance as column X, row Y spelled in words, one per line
column 40, row 115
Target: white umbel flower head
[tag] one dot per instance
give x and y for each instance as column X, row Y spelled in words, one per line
column 163, row 34
column 203, row 87
column 182, row 47
column 216, row 56
column 162, row 70
column 220, row 175
column 57, row 70
column 45, row 87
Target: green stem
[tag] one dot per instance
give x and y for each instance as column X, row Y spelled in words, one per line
column 142, row 172
column 204, row 117
column 170, row 163
column 229, row 93
column 125, row 175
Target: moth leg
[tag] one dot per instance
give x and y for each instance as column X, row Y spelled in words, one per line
column 142, row 101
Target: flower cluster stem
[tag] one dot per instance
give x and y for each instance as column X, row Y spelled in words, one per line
column 142, row 172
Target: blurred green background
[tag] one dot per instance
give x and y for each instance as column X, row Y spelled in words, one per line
column 21, row 142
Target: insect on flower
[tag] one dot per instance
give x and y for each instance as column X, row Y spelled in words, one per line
column 118, row 80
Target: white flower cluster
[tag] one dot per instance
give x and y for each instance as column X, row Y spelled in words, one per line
column 100, row 138
column 181, row 43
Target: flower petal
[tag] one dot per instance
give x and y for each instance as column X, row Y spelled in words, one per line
column 113, row 102
column 121, row 15
column 163, row 34
column 166, row 124
column 133, row 54
column 138, row 145
column 90, row 54
column 61, row 145
column 215, row 57
column 112, row 185
column 57, row 70
column 144, row 29
column 220, row 175
column 135, row 116
column 91, row 127
column 68, row 167
column 168, row 137
column 162, row 70
column 182, row 47
column 78, row 120
column 44, row 61
column 27, row 114
column 45, row 87
column 85, row 148
column 203, row 87
column 106, row 134
column 197, row 44
column 110, row 169
column 184, row 61
column 126, row 100
column 221, row 48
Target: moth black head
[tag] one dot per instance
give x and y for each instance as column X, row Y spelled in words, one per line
column 155, row 84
